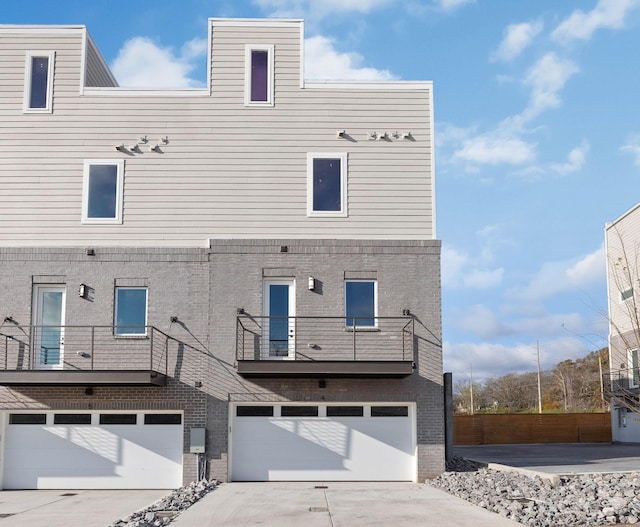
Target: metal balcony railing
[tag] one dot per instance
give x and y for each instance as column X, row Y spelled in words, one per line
column 316, row 338
column 84, row 348
column 623, row 386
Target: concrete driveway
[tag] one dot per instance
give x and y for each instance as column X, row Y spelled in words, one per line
column 334, row 505
column 72, row 508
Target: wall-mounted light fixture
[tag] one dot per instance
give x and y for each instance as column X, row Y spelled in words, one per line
column 341, row 134
column 406, row 312
column 156, row 148
column 311, row 283
column 382, row 136
column 165, row 140
column 82, row 291
column 371, row 135
column 134, row 148
column 121, row 148
column 406, row 135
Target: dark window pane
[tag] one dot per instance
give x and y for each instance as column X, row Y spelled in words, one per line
column 131, row 311
column 254, row 411
column 327, row 186
column 162, row 419
column 103, row 187
column 299, row 411
column 360, row 304
column 389, row 411
column 278, row 320
column 72, row 419
column 118, row 419
column 27, row 419
column 345, row 411
column 259, row 75
column 39, row 74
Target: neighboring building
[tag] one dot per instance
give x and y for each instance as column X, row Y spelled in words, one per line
column 240, row 281
column 622, row 239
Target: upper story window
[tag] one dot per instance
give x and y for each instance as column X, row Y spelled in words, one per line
column 102, row 191
column 327, row 185
column 38, row 81
column 626, row 294
column 361, row 303
column 258, row 75
column 131, row 311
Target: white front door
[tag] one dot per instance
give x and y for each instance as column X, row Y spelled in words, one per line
column 48, row 321
column 279, row 325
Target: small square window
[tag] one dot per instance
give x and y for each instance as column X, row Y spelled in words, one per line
column 626, row 294
column 131, row 311
column 259, row 75
column 327, row 185
column 38, row 85
column 361, row 299
column 102, row 192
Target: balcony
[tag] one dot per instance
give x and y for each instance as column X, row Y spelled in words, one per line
column 623, row 386
column 83, row 355
column 324, row 346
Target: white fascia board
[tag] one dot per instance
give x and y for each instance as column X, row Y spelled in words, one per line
column 610, row 224
column 146, row 92
column 271, row 22
column 17, row 28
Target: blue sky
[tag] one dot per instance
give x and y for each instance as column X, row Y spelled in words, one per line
column 537, row 138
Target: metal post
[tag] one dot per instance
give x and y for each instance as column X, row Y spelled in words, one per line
column 353, row 326
column 93, row 345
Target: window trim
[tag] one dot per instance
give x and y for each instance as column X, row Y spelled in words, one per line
column 342, row 213
column 627, row 294
column 117, row 219
column 375, row 305
column 116, row 333
column 270, row 49
column 28, row 71
column 633, row 371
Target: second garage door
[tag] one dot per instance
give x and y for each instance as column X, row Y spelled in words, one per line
column 323, row 442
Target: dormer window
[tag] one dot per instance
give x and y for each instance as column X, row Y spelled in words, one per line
column 38, row 81
column 258, row 75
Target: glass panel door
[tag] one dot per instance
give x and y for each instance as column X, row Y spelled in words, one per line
column 279, row 324
column 48, row 320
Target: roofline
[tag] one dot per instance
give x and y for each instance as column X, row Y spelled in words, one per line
column 610, row 224
column 243, row 21
column 43, row 27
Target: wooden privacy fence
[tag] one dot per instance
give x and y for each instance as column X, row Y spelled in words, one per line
column 495, row 429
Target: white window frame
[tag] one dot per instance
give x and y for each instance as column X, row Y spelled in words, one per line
column 270, row 49
column 375, row 304
column 30, row 55
column 115, row 312
column 117, row 219
column 633, row 372
column 342, row 213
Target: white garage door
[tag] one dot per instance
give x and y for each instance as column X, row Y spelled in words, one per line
column 310, row 442
column 93, row 451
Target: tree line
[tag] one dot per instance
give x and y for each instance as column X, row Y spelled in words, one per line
column 571, row 386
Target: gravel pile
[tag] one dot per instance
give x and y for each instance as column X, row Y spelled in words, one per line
column 595, row 499
column 163, row 511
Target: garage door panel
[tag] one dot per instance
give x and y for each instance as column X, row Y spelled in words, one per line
column 322, row 448
column 93, row 457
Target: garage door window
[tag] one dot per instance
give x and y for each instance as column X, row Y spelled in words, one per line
column 254, row 411
column 162, row 419
column 28, row 419
column 72, row 419
column 118, row 419
column 345, row 411
column 389, row 411
column 299, row 411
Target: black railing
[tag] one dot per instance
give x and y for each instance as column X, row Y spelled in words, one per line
column 83, row 348
column 621, row 381
column 324, row 338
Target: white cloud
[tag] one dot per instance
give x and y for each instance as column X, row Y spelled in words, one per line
column 493, row 360
column 492, row 149
column 516, row 38
column 575, row 160
column 546, row 78
column 312, row 9
column 451, row 5
column 562, row 276
column 460, row 271
column 143, row 64
column 608, row 14
column 322, row 61
column 633, row 147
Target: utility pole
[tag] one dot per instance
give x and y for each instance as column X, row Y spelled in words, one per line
column 471, row 387
column 539, row 386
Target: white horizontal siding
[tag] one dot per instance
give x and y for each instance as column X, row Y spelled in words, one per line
column 228, row 171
